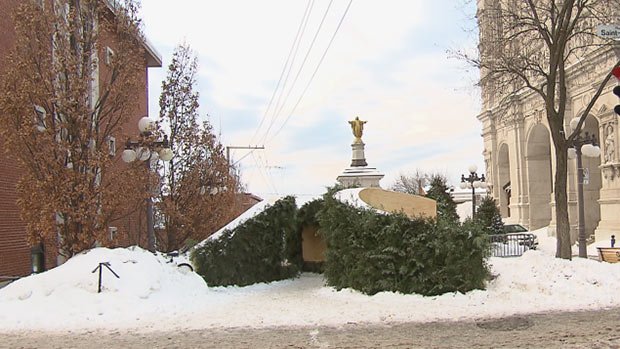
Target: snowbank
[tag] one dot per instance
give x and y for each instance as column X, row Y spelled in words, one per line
column 66, row 296
column 152, row 294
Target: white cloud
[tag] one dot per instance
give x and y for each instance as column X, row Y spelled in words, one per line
column 387, row 64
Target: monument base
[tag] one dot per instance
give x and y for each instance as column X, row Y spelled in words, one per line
column 360, row 176
column 358, row 159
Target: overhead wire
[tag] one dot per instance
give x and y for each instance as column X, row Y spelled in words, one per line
column 290, row 68
column 262, row 174
column 295, row 42
column 279, row 110
column 303, row 25
column 315, row 71
column 268, row 170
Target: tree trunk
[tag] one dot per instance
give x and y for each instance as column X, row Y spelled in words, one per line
column 561, row 203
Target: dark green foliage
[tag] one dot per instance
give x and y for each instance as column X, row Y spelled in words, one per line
column 307, row 214
column 373, row 252
column 439, row 191
column 262, row 249
column 488, row 216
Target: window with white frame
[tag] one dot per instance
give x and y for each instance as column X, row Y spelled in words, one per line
column 109, row 55
column 111, row 146
column 113, row 231
column 39, row 118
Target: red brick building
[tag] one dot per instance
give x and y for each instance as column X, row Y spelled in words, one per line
column 16, row 256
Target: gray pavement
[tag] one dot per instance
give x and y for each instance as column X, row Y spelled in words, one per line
column 589, row 329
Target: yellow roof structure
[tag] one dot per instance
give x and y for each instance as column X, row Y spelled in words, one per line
column 390, row 201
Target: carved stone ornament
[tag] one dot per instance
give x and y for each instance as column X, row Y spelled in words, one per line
column 610, row 171
column 609, row 155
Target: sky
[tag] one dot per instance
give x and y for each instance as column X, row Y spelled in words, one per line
column 389, row 62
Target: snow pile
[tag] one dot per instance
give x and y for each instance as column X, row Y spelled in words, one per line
column 148, row 284
column 152, row 294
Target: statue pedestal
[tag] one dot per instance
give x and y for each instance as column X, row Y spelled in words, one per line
column 358, row 158
column 359, row 174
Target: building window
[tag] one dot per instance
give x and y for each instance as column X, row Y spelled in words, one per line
column 109, row 55
column 112, row 231
column 111, row 146
column 39, row 118
column 38, row 258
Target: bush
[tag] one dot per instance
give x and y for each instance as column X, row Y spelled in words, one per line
column 373, row 252
column 265, row 248
column 488, row 216
column 440, row 192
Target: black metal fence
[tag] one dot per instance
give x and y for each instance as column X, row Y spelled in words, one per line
column 512, row 245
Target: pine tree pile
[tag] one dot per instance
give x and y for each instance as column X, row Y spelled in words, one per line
column 373, row 252
column 263, row 249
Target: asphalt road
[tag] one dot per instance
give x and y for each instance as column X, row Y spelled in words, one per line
column 591, row 329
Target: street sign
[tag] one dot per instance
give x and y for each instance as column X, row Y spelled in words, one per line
column 608, row 31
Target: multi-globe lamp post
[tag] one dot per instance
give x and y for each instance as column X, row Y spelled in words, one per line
column 148, row 150
column 585, row 145
column 473, row 181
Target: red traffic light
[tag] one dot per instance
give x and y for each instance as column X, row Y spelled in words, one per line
column 617, row 93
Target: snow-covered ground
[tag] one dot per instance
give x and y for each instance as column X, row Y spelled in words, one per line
column 152, row 294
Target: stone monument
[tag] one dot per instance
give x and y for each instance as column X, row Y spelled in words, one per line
column 359, row 174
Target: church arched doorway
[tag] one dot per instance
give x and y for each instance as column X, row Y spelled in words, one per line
column 503, row 166
column 539, row 174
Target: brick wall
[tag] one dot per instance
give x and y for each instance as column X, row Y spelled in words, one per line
column 14, row 249
column 15, row 255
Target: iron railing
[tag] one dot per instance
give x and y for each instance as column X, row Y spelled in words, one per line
column 512, row 245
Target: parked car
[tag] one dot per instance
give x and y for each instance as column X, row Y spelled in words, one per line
column 522, row 235
column 514, row 228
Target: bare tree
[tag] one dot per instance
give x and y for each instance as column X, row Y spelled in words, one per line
column 199, row 194
column 413, row 183
column 58, row 121
column 538, row 46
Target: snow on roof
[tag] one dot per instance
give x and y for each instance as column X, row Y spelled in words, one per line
column 352, row 197
column 248, row 214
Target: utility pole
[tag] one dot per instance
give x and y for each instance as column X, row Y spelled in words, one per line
column 228, row 148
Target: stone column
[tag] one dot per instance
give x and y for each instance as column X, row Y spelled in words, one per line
column 358, row 159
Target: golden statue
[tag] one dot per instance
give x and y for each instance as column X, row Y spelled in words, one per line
column 357, row 126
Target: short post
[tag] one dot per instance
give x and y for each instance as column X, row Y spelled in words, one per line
column 107, row 265
column 613, row 240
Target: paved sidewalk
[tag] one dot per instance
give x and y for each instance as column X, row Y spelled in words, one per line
column 591, row 329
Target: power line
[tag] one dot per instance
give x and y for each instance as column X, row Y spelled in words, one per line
column 228, row 148
column 267, row 179
column 297, row 38
column 290, row 68
column 306, row 87
column 315, row 71
column 316, row 34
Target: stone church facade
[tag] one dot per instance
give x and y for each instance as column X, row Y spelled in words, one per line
column 519, row 156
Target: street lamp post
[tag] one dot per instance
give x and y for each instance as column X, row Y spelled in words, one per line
column 148, row 150
column 473, row 181
column 582, row 145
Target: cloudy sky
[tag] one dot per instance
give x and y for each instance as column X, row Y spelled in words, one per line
column 389, row 63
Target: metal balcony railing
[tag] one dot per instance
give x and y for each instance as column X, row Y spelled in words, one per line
column 512, row 245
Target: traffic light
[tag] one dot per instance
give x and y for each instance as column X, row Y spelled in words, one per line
column 617, row 93
column 616, row 73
